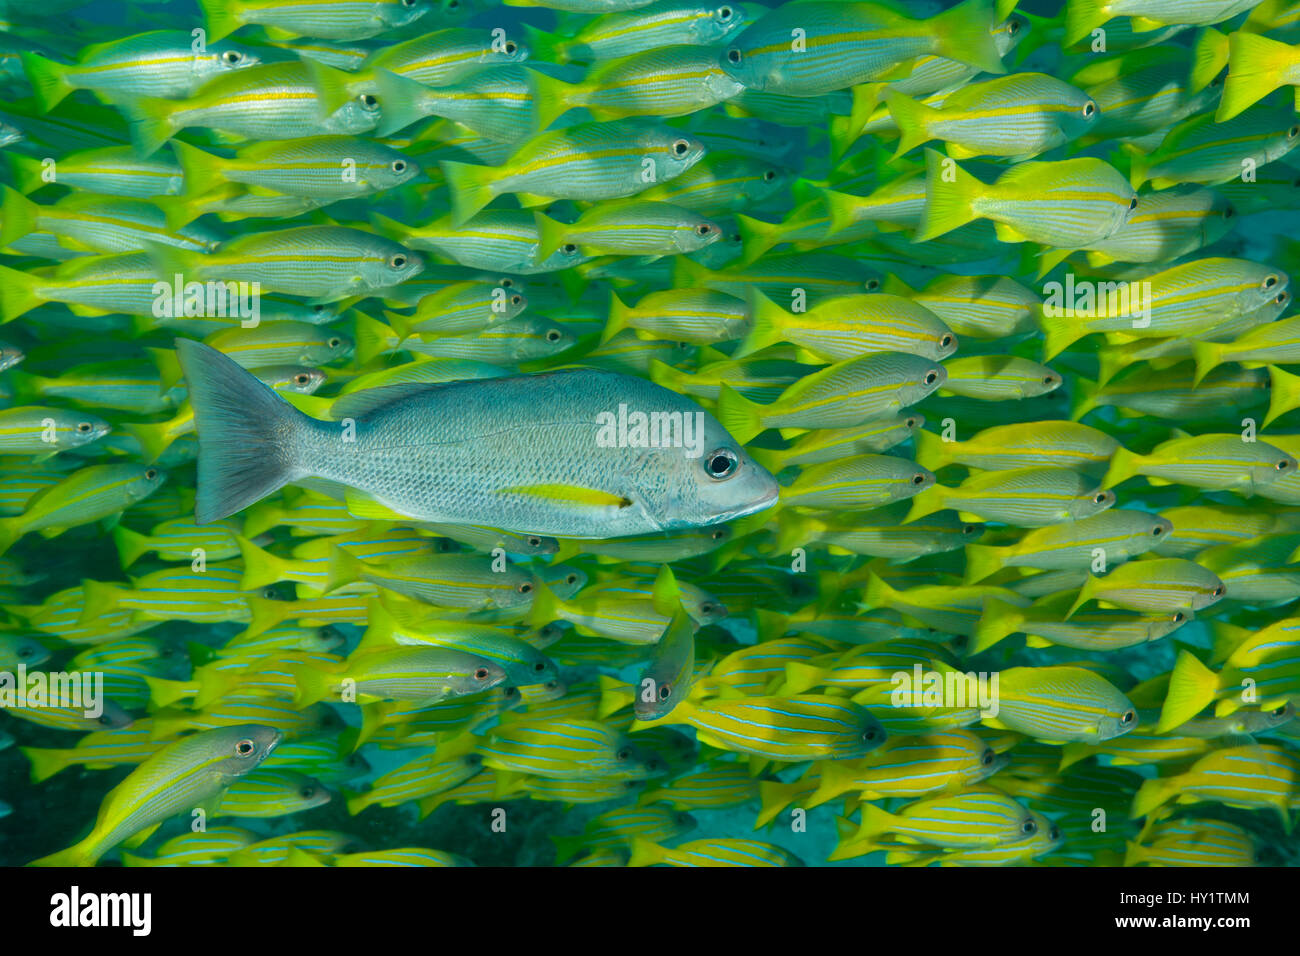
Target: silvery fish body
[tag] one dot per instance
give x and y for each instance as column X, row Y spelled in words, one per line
column 523, row 453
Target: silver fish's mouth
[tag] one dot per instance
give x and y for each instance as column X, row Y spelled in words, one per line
column 761, row 504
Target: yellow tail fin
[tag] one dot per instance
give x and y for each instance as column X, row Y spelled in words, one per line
column 950, row 193
column 1192, row 688
column 1256, row 67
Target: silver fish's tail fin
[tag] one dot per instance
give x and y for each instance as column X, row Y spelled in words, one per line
column 245, row 433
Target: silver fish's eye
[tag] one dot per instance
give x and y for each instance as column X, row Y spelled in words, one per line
column 1279, row 712
column 525, row 588
column 1132, row 204
column 554, row 335
column 870, row 734
column 1218, row 592
column 1293, row 132
column 987, row 758
column 1229, row 211
column 871, row 285
column 534, row 541
column 1269, row 282
column 1089, row 108
column 1050, row 380
column 397, row 260
column 568, row 248
column 734, row 56
column 1281, row 298
column 769, row 175
column 911, row 422
column 481, row 674
column 718, row 534
column 704, row 229
column 1127, row 717
column 1100, row 497
column 1284, row 464
column 307, row 792
column 150, row 474
column 399, row 166
column 970, row 529
column 84, row 427
column 918, row 479
column 1013, row 26
column 665, row 691
column 231, row 57
column 721, row 464
column 725, row 13
column 368, row 101
column 1029, row 828
column 408, row 3
column 1178, row 617
column 1158, row 530
column 511, row 48
column 539, row 666
column 931, row 377
column 302, row 378
column 945, row 341
column 335, row 342
column 516, row 300
column 706, row 608
column 571, row 579
column 549, row 685
column 681, row 147
column 269, row 593
column 318, row 309
column 245, row 748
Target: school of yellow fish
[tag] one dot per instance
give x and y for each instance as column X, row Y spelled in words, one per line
column 773, row 435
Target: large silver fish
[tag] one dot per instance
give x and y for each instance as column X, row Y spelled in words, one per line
column 558, row 453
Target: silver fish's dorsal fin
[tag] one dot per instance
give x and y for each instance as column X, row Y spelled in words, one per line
column 364, row 402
